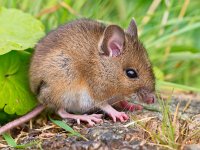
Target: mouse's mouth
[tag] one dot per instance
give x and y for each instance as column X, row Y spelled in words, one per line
column 144, row 96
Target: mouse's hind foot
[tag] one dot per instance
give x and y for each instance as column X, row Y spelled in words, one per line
column 90, row 119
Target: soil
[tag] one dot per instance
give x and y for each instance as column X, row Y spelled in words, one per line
column 137, row 133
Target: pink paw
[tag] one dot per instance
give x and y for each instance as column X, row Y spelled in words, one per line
column 150, row 100
column 90, row 119
column 121, row 116
column 114, row 114
column 133, row 107
column 129, row 106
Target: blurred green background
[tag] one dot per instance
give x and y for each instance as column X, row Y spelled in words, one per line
column 169, row 29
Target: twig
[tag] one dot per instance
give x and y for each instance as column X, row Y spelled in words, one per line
column 69, row 8
column 133, row 122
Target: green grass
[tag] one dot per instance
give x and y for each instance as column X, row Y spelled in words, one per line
column 171, row 131
column 68, row 128
column 71, row 132
column 172, row 41
column 11, row 142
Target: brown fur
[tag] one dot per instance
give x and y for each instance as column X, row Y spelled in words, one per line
column 68, row 59
column 82, row 65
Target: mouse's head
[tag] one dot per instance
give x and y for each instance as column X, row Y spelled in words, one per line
column 129, row 62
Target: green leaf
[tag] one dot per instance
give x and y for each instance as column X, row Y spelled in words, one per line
column 158, row 73
column 67, row 128
column 15, row 95
column 4, row 117
column 18, row 30
column 11, row 142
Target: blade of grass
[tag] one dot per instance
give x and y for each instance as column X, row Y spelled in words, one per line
column 164, row 84
column 178, row 32
column 11, row 142
column 147, row 106
column 183, row 56
column 157, row 137
column 67, row 128
column 141, row 120
column 69, row 8
column 167, row 127
column 171, row 22
column 187, row 105
column 176, row 114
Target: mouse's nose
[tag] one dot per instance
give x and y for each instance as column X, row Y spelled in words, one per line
column 147, row 96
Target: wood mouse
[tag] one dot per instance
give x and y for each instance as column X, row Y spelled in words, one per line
column 86, row 64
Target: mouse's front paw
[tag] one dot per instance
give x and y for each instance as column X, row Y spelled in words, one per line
column 114, row 114
column 130, row 106
column 121, row 116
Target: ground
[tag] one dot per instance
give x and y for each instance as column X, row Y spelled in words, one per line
column 144, row 130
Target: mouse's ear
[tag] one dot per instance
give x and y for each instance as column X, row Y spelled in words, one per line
column 112, row 42
column 132, row 28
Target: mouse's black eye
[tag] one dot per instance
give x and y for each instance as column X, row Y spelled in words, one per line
column 131, row 73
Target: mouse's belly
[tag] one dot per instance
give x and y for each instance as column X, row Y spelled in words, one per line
column 78, row 102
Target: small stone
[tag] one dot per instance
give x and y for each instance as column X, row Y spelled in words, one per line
column 192, row 147
column 95, row 145
column 128, row 137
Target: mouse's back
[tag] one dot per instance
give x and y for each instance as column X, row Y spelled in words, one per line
column 73, row 41
column 72, row 36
